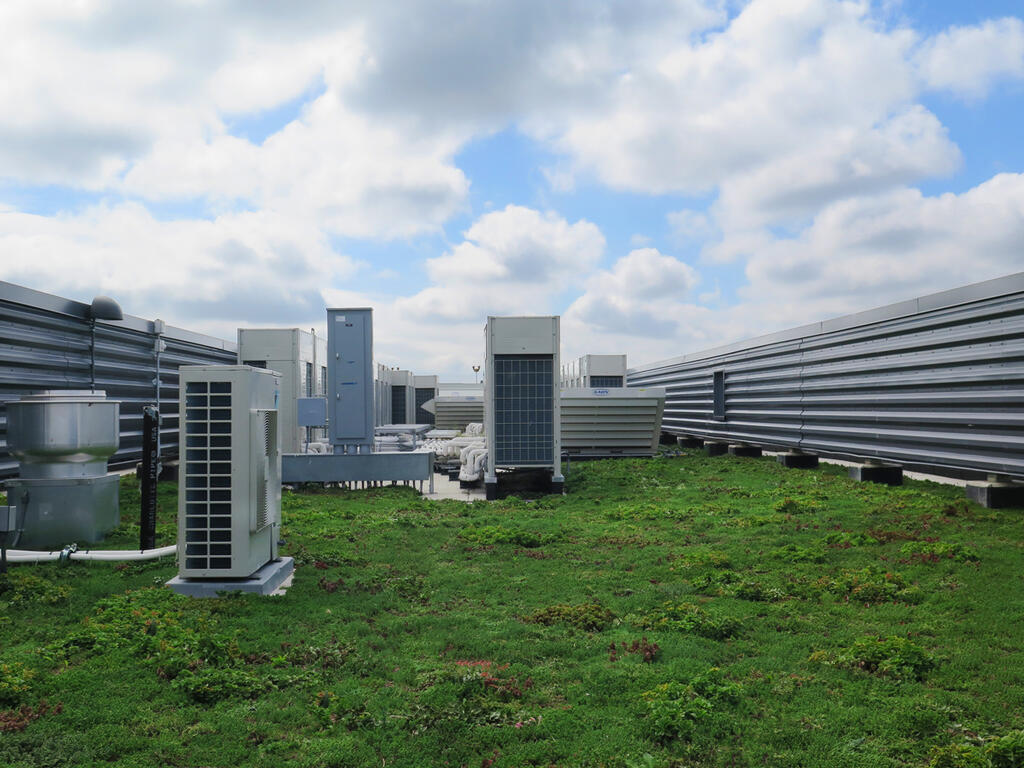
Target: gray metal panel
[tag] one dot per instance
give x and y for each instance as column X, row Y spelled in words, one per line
column 350, row 376
column 44, row 344
column 311, row 411
column 937, row 381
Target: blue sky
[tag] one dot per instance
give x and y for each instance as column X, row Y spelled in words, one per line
column 665, row 175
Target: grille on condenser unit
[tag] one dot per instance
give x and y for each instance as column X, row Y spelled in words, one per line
column 267, row 441
column 605, row 381
column 207, row 431
column 523, row 409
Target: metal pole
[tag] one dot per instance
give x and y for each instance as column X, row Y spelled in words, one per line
column 150, row 470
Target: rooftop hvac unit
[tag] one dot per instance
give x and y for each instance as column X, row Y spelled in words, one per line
column 595, row 371
column 229, row 488
column 301, row 359
column 403, row 397
column 521, row 398
column 612, row 421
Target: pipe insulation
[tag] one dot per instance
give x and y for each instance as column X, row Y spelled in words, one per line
column 98, row 555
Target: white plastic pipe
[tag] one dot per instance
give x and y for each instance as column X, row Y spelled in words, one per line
column 472, row 464
column 105, row 555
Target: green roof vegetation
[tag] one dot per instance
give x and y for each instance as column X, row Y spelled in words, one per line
column 677, row 611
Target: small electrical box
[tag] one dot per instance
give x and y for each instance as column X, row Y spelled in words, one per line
column 312, row 411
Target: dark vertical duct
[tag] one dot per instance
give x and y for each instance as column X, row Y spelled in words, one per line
column 150, row 470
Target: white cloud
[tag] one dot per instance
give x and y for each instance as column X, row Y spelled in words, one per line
column 512, row 261
column 780, row 77
column 870, row 251
column 966, row 60
column 857, row 254
column 210, row 276
column 645, row 295
column 688, row 225
column 799, row 118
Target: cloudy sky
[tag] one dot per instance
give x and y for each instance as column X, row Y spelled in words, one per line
column 665, row 175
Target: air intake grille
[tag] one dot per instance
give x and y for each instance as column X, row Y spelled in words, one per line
column 605, row 381
column 398, row 404
column 208, row 475
column 523, row 410
column 424, row 395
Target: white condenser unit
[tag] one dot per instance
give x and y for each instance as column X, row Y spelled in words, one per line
column 521, row 402
column 229, row 478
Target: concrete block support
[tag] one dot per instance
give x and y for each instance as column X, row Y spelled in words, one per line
column 875, row 472
column 797, row 460
column 265, row 581
column 687, row 441
column 741, row 449
column 996, row 495
column 716, row 449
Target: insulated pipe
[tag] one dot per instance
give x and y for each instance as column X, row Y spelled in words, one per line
column 473, row 464
column 104, row 555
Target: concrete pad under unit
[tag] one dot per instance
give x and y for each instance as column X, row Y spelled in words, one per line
column 751, row 451
column 886, row 474
column 716, row 449
column 687, row 441
column 996, row 495
column 797, row 460
column 266, row 580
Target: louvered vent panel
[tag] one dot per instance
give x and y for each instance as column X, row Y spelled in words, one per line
column 523, row 409
column 398, row 404
column 208, row 475
column 264, row 493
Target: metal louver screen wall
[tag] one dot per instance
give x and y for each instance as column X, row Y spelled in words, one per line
column 208, row 475
column 934, row 382
column 44, row 344
column 523, row 409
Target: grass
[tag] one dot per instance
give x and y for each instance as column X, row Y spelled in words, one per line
column 679, row 611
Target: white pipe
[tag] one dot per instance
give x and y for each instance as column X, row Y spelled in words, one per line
column 105, row 555
column 472, row 465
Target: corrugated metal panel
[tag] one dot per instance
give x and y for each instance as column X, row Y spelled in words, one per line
column 937, row 381
column 615, row 422
column 456, row 411
column 44, row 344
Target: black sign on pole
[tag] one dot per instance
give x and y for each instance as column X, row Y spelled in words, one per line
column 150, row 469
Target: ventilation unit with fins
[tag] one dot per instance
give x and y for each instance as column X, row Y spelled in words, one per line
column 521, row 403
column 229, row 489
